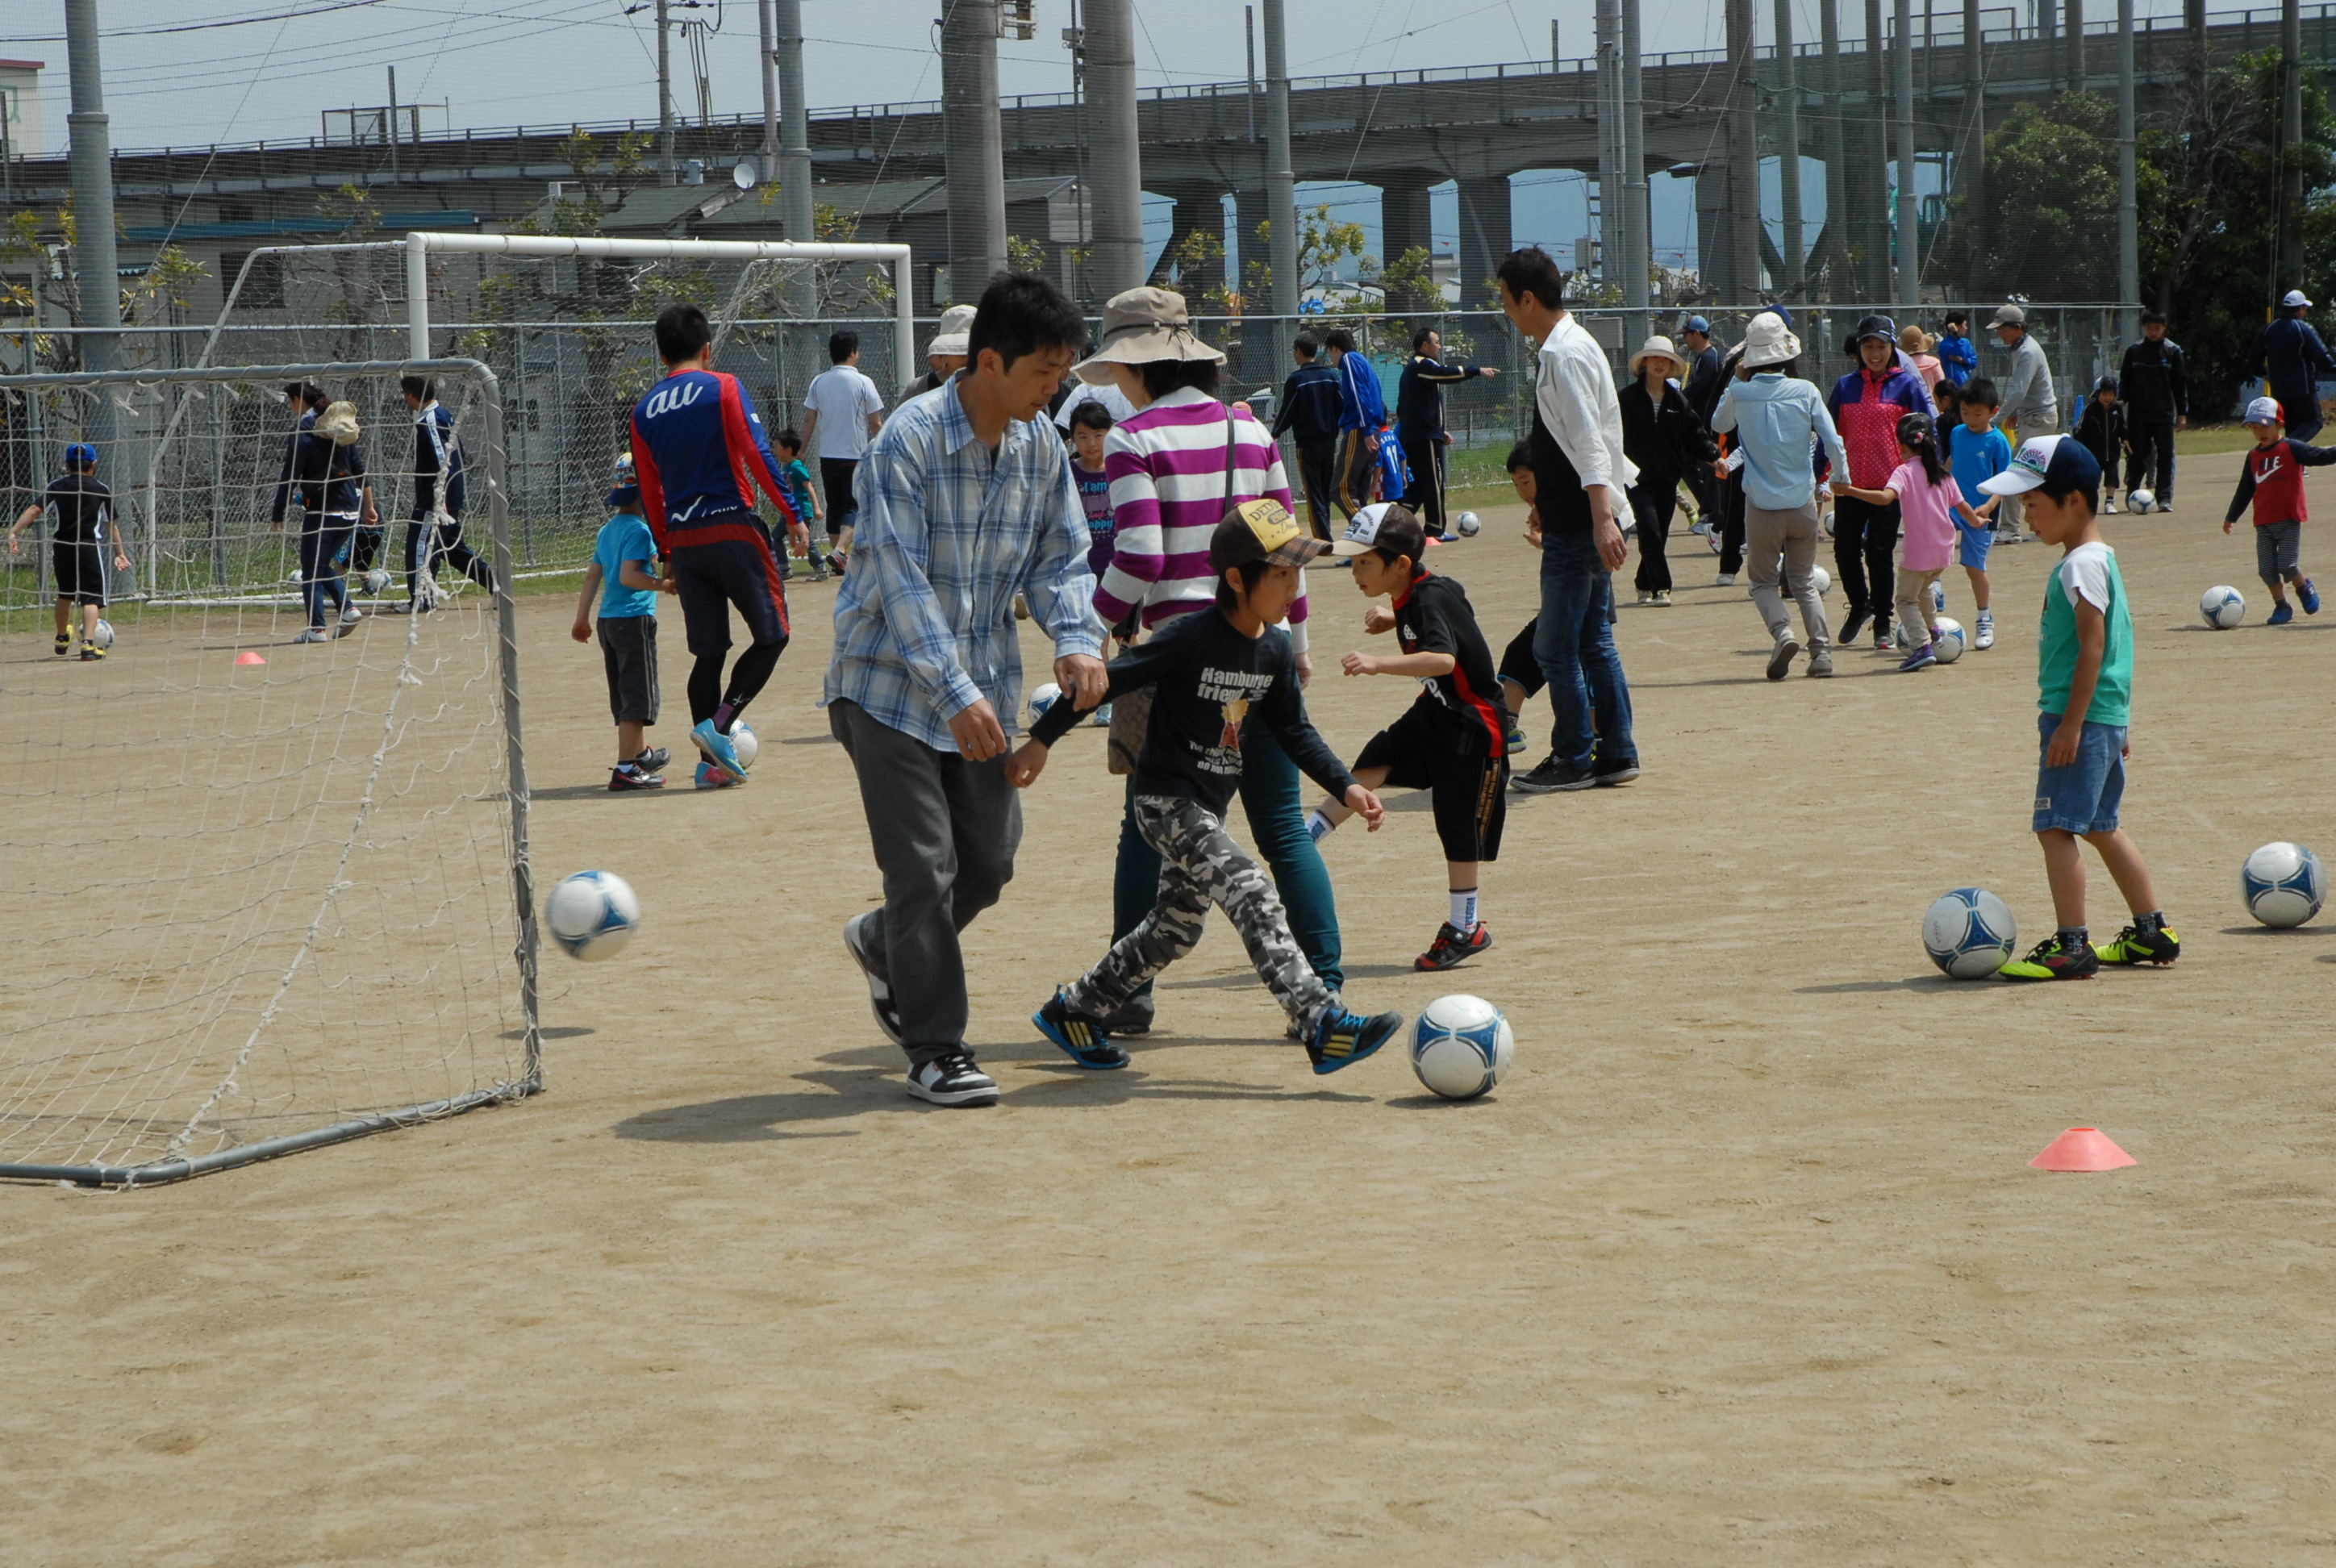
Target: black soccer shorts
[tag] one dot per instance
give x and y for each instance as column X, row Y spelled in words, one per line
column 79, row 568
column 720, row 565
column 1470, row 795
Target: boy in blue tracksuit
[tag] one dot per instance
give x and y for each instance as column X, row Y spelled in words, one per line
column 1958, row 360
column 698, row 451
column 433, row 530
column 1362, row 410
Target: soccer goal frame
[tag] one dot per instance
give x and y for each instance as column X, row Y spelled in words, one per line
column 482, row 382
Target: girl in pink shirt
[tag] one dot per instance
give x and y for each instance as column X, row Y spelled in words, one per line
column 1928, row 500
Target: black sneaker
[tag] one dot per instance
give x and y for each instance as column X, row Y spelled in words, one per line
column 1552, row 776
column 653, row 759
column 2049, row 960
column 952, row 1080
column 1343, row 1039
column 880, row 992
column 630, row 776
column 1847, row 634
column 1081, row 1038
column 1620, row 771
column 65, row 643
column 1451, row 946
column 1132, row 1017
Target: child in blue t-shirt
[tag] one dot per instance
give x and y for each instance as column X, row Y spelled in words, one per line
column 1977, row 452
column 623, row 572
column 797, row 478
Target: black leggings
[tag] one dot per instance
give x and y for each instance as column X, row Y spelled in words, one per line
column 748, row 675
column 1865, row 540
column 1653, row 507
column 1731, row 524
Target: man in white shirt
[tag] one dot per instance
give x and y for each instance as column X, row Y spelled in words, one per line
column 1581, row 477
column 842, row 411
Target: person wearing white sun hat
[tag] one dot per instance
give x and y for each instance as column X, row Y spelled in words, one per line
column 1665, row 438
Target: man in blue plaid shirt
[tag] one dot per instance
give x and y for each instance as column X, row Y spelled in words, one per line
column 966, row 500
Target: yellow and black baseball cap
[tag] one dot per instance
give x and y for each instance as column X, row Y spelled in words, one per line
column 1261, row 530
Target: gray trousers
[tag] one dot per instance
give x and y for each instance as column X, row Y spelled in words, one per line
column 945, row 831
column 1201, row 865
column 2011, row 517
column 1793, row 536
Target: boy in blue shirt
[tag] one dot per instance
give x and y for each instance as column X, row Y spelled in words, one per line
column 1976, row 452
column 796, row 476
column 623, row 572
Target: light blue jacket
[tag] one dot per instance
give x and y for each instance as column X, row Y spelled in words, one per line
column 1775, row 418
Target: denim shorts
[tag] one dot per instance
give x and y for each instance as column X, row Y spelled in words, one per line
column 1971, row 545
column 2082, row 797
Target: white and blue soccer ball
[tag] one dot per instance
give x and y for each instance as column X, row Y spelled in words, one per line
column 744, row 742
column 1947, row 639
column 2142, row 501
column 1468, row 525
column 1969, row 933
column 1460, row 1046
column 592, row 915
column 376, row 580
column 1821, row 580
column 2284, row 884
column 105, row 638
column 2222, row 606
column 1044, row 698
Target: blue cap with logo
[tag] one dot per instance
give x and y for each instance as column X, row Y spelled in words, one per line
column 624, row 486
column 81, row 452
column 2047, row 460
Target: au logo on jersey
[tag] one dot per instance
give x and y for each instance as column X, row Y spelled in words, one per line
column 668, row 398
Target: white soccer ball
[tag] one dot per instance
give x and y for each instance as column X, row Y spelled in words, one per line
column 376, row 580
column 592, row 915
column 1044, row 698
column 294, row 578
column 1821, row 580
column 1460, row 1046
column 105, row 638
column 744, row 741
column 1468, row 525
column 1969, row 933
column 2142, row 501
column 2284, row 884
column 1946, row 640
column 2223, row 606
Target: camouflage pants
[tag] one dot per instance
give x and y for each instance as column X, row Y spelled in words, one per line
column 1200, row 865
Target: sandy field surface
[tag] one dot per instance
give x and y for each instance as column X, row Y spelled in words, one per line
column 1743, row 1265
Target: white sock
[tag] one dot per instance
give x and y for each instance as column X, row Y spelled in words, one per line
column 1318, row 826
column 1464, row 912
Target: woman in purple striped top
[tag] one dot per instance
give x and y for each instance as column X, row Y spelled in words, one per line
column 1168, row 490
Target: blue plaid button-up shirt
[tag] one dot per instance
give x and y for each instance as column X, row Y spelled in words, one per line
column 948, row 534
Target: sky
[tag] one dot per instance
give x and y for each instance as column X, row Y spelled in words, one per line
column 173, row 79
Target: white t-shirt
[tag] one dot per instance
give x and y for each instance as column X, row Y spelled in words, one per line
column 2085, row 575
column 843, row 399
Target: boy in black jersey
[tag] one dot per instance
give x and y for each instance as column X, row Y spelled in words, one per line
column 84, row 509
column 1210, row 674
column 1450, row 742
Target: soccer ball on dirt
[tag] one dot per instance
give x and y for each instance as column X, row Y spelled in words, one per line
column 592, row 915
column 1044, row 698
column 744, row 742
column 2222, row 606
column 2284, row 884
column 1460, row 1046
column 1468, row 524
column 2142, row 501
column 1821, row 580
column 1946, row 640
column 105, row 638
column 1969, row 933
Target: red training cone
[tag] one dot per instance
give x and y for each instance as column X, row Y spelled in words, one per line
column 249, row 656
column 2082, row 1149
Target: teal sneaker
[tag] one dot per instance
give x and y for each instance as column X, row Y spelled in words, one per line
column 1343, row 1039
column 716, row 748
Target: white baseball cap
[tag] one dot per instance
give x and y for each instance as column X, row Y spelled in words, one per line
column 1384, row 524
column 2046, row 457
column 2265, row 411
column 2293, row 300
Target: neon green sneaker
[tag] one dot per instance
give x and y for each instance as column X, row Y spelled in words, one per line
column 2135, row 946
column 2049, row 960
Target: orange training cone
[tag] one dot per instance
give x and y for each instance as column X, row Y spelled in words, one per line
column 2082, row 1149
column 249, row 656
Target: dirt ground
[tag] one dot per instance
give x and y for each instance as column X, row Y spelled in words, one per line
column 1743, row 1265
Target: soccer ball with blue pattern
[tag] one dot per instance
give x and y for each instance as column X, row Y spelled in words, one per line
column 2284, row 884
column 1044, row 698
column 1969, row 933
column 1460, row 1046
column 1947, row 639
column 592, row 915
column 746, row 743
column 2223, row 607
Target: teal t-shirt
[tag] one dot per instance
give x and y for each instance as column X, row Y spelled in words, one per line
column 1974, row 458
column 624, row 537
column 798, row 480
column 2089, row 571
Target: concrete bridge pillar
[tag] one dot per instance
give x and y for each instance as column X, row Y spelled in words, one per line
column 1715, row 232
column 1199, row 209
column 1485, row 236
column 1403, row 226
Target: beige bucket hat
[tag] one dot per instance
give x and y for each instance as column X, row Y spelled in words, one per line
column 1139, row 326
column 1656, row 348
column 955, row 334
column 1768, row 341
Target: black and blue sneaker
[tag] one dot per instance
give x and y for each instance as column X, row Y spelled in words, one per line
column 1081, row 1038
column 1343, row 1039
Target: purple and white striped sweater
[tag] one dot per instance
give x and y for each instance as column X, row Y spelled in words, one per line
column 1166, row 467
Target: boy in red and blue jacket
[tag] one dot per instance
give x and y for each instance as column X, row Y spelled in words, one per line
column 2271, row 481
column 1867, row 405
column 699, row 450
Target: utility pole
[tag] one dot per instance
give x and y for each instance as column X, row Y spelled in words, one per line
column 1910, row 231
column 794, row 147
column 769, row 160
column 1871, row 158
column 391, row 129
column 2076, row 77
column 667, row 172
column 1249, row 36
column 1118, row 156
column 1831, row 142
column 1743, row 156
column 1974, row 163
column 90, row 158
column 2129, row 221
column 1789, row 145
column 1638, row 257
column 1281, row 180
column 1612, row 207
column 972, row 147
column 2290, row 137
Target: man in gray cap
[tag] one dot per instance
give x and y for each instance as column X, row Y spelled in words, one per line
column 2292, row 359
column 2031, row 408
column 945, row 354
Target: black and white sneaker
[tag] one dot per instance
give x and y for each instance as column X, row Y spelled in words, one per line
column 1552, row 776
column 879, row 993
column 952, row 1080
column 653, row 759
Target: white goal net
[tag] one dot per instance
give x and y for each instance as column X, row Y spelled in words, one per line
column 267, row 850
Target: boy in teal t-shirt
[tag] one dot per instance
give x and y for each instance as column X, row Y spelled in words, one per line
column 2084, row 678
column 797, row 478
column 623, row 572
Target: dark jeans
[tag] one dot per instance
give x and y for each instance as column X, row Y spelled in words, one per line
column 322, row 538
column 2154, row 439
column 1425, row 494
column 944, row 830
column 1653, row 508
column 1316, row 463
column 1269, row 788
column 1574, row 644
column 1864, row 540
